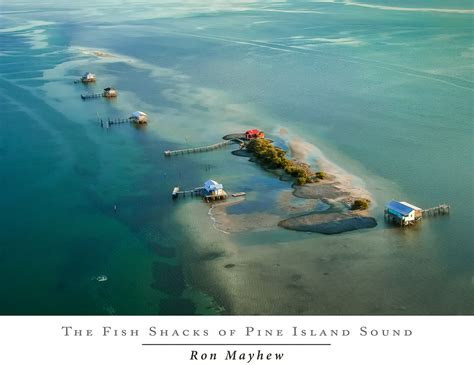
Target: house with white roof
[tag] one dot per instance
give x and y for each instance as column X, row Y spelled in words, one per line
column 139, row 117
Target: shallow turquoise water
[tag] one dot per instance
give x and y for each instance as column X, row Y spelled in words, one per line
column 387, row 94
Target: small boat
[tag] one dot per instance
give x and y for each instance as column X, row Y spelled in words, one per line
column 102, row 278
column 235, row 195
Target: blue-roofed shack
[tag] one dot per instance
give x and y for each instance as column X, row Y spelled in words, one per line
column 402, row 213
column 214, row 190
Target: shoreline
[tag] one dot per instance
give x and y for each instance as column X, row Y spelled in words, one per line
column 336, row 192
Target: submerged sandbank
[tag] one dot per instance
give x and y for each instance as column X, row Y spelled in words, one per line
column 308, row 275
column 328, row 223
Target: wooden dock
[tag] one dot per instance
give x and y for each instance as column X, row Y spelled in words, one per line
column 91, row 96
column 109, row 122
column 201, row 192
column 203, row 148
column 441, row 209
column 176, row 193
column 84, row 81
column 198, row 149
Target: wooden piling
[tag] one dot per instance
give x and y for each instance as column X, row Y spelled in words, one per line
column 110, row 121
column 441, row 209
column 91, row 96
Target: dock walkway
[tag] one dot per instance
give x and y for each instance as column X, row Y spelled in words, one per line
column 203, row 148
column 201, row 192
column 91, row 96
column 107, row 123
column 441, row 209
column 193, row 192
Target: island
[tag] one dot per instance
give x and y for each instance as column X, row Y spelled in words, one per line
column 345, row 207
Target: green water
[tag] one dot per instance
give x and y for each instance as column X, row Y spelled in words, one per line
column 386, row 94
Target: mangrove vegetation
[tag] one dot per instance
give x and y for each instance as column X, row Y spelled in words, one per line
column 360, row 204
column 274, row 157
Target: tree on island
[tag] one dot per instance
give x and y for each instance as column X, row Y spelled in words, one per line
column 275, row 158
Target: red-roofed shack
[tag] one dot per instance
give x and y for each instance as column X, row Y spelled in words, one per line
column 254, row 134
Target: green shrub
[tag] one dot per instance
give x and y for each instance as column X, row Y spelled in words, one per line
column 360, row 204
column 301, row 181
column 275, row 158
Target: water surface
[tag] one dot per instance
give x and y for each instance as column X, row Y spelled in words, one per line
column 384, row 91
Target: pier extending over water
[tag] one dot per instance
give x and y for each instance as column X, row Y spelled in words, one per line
column 91, row 96
column 201, row 192
column 441, row 209
column 193, row 192
column 204, row 148
column 111, row 121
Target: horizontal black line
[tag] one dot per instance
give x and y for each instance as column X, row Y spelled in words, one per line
column 236, row 344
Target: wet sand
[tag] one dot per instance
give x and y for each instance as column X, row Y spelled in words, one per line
column 339, row 184
column 233, row 223
column 336, row 192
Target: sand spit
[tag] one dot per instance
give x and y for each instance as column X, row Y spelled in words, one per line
column 340, row 180
column 102, row 54
column 337, row 190
column 291, row 205
column 326, row 189
column 335, row 194
column 233, row 223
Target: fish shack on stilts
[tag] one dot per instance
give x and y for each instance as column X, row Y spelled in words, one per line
column 139, row 117
column 87, row 78
column 110, row 92
column 402, row 213
column 214, row 191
